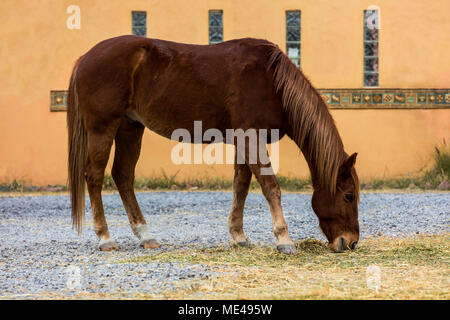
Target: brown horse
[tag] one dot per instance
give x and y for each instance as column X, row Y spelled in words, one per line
column 127, row 83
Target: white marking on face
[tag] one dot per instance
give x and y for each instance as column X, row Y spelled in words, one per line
column 141, row 232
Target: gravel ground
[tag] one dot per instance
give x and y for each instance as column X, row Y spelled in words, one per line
column 40, row 253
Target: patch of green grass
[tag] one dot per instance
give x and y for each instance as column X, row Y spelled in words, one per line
column 108, row 182
column 441, row 170
column 170, row 182
column 165, row 181
column 16, row 185
column 293, row 184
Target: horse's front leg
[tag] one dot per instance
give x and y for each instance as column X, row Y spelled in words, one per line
column 271, row 190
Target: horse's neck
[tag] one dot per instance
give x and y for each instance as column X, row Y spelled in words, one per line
column 313, row 166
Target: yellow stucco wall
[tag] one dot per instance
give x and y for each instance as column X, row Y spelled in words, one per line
column 37, row 53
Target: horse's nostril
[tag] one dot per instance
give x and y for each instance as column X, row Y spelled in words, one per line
column 353, row 245
column 341, row 244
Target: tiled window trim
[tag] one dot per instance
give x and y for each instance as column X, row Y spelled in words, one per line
column 358, row 98
column 213, row 27
column 139, row 23
column 293, row 38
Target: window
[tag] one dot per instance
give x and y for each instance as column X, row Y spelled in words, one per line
column 293, row 36
column 215, row 26
column 371, row 28
column 139, row 23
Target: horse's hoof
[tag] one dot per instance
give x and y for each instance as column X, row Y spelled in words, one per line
column 150, row 244
column 244, row 244
column 109, row 246
column 287, row 248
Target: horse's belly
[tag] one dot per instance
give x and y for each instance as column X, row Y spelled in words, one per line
column 154, row 124
column 164, row 122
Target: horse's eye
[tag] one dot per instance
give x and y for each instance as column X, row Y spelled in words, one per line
column 349, row 197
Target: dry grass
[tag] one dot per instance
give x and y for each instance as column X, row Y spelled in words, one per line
column 413, row 268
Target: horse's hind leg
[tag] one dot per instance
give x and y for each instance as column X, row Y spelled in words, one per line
column 241, row 183
column 99, row 147
column 127, row 149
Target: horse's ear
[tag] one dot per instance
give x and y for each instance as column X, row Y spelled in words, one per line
column 346, row 168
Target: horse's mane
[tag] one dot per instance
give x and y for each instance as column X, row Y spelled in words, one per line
column 313, row 128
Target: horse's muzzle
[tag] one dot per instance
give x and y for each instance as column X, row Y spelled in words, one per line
column 343, row 243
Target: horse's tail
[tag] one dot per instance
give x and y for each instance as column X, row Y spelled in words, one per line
column 77, row 153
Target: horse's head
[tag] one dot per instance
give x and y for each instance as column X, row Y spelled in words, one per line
column 338, row 213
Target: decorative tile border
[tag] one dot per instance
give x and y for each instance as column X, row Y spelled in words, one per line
column 58, row 100
column 379, row 98
column 385, row 98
